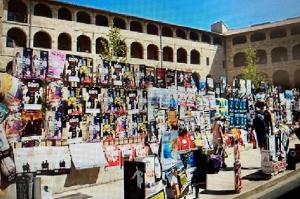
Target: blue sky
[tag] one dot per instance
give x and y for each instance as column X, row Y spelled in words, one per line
column 202, row 13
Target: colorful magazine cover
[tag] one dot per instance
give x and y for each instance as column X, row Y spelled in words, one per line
column 40, row 65
column 171, row 78
column 92, row 100
column 56, row 64
column 129, row 80
column 32, row 94
column 93, row 128
column 104, row 73
column 117, row 73
column 54, row 92
column 74, row 130
column 73, row 66
column 150, row 76
column 33, row 125
column 161, row 77
column 54, row 124
column 86, row 71
column 140, row 72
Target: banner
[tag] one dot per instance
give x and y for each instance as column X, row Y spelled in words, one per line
column 87, row 155
column 56, row 64
column 43, row 160
column 170, row 78
column 161, row 77
column 169, row 152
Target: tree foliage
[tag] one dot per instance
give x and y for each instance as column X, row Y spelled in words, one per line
column 115, row 49
column 250, row 72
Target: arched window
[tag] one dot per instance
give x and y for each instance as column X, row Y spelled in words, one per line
column 42, row 40
column 15, row 38
column 83, row 44
column 17, row 11
column 281, row 78
column 152, row 29
column 101, row 45
column 296, row 52
column 152, row 52
column 194, row 36
column 258, row 36
column 180, row 33
column 195, row 57
column 168, row 54
column 181, row 55
column 83, row 17
column 206, row 38
column 166, row 32
column 295, row 30
column 9, row 68
column 278, row 33
column 279, row 54
column 64, row 42
column 137, row 50
column 217, row 41
column 42, row 10
column 65, row 14
column 119, row 23
column 101, row 20
column 239, row 59
column 241, row 39
column 136, row 26
column 261, row 57
column 296, row 78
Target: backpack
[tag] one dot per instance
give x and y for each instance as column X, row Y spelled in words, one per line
column 214, row 164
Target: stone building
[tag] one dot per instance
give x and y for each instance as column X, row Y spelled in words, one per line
column 277, row 48
column 79, row 30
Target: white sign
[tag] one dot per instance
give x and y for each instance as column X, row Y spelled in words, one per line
column 87, row 155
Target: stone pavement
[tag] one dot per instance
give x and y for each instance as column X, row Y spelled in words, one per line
column 219, row 185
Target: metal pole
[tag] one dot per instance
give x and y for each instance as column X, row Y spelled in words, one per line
column 161, row 49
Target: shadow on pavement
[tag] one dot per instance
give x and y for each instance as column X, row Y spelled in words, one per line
column 227, row 169
column 257, row 176
column 75, row 196
column 219, row 192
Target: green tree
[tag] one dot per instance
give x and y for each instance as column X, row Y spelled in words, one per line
column 115, row 49
column 250, row 72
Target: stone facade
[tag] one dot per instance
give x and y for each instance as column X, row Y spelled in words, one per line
column 278, row 45
column 211, row 54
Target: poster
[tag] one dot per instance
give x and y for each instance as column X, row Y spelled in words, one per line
column 39, row 65
column 32, row 94
column 56, row 64
column 86, row 71
column 72, row 73
column 93, row 128
column 95, row 157
column 13, row 125
column 43, row 160
column 249, row 87
column 120, row 126
column 170, row 78
column 243, row 88
column 140, row 72
column 108, row 126
column 112, row 155
column 180, row 78
column 210, row 85
column 132, row 101
column 54, row 124
column 134, row 180
column 25, row 69
column 18, row 65
column 7, row 165
column 119, row 104
column 117, row 73
column 202, row 86
column 223, row 85
column 129, row 75
column 104, row 73
column 33, row 124
column 182, row 97
column 73, row 102
column 169, row 153
column 92, row 100
column 74, row 130
column 150, row 76
column 54, row 93
column 158, row 195
column 10, row 88
column 165, row 99
column 153, row 171
column 161, row 77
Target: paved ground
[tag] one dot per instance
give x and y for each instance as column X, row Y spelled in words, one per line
column 220, row 185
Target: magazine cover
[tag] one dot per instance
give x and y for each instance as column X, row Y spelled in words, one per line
column 117, row 73
column 161, row 77
column 74, row 129
column 56, row 64
column 86, row 71
column 92, row 100
column 33, row 125
column 150, row 76
column 170, row 78
column 32, row 94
